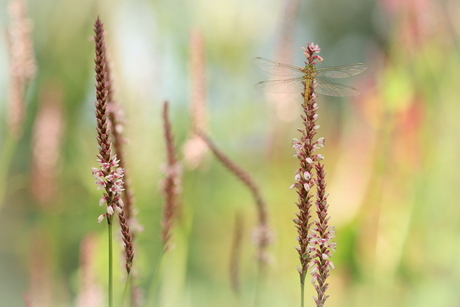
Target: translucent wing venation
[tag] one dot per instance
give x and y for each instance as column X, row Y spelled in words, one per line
column 276, row 68
column 324, row 87
column 341, row 71
column 287, row 86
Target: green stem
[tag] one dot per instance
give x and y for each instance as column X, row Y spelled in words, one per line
column 260, row 278
column 302, row 291
column 8, row 148
column 109, row 224
column 125, row 292
column 154, row 284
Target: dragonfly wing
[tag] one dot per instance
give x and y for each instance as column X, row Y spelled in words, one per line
column 341, row 71
column 276, row 68
column 281, row 86
column 324, row 87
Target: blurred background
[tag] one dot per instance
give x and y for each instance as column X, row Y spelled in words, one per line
column 391, row 153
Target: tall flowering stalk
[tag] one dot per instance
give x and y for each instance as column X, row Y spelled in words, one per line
column 46, row 142
column 171, row 185
column 109, row 176
column 195, row 149
column 116, row 116
column 22, row 63
column 128, row 222
column 262, row 234
column 315, row 246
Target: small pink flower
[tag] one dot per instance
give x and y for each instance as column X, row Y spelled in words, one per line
column 105, row 165
column 317, row 58
column 119, row 173
column 314, row 278
column 100, row 218
column 116, row 189
column 320, row 142
column 100, row 184
column 103, row 201
column 110, row 210
column 313, row 47
column 96, row 172
column 115, row 162
column 318, row 157
column 314, row 269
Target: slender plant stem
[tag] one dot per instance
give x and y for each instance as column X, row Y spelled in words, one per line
column 260, row 278
column 154, row 284
column 125, row 292
column 7, row 153
column 302, row 294
column 109, row 224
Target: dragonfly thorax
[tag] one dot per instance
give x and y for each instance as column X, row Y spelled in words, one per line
column 310, row 71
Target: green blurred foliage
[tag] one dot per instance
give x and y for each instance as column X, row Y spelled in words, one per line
column 391, row 154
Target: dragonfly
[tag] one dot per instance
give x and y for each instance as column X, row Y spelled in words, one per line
column 302, row 78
